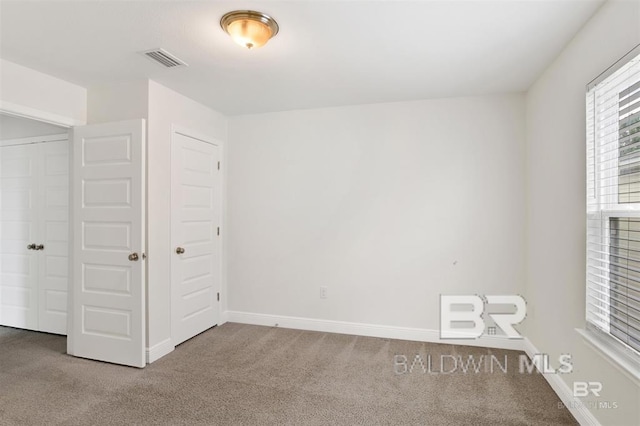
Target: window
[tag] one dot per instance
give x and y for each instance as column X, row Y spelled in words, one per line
column 613, row 205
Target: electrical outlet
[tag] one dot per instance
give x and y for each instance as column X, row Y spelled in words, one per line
column 323, row 292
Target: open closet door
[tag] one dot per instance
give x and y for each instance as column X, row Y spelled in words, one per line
column 108, row 287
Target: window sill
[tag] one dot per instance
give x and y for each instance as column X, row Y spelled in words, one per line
column 615, row 356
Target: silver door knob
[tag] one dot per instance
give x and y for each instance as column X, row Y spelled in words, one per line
column 133, row 257
column 39, row 247
column 31, row 247
column 180, row 250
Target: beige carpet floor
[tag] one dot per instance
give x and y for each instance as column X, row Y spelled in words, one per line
column 244, row 375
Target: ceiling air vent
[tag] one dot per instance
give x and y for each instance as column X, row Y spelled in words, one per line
column 164, row 58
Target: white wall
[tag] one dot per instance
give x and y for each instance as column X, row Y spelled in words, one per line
column 31, row 92
column 167, row 108
column 117, row 102
column 17, row 127
column 388, row 205
column 556, row 203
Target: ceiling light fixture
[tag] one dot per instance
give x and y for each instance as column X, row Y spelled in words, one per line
column 249, row 28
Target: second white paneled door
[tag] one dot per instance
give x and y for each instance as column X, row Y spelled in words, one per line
column 53, row 270
column 195, row 221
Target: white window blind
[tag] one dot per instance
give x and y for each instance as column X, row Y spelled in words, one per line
column 613, row 203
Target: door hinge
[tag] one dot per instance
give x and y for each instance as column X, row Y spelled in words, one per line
column 218, row 297
column 218, row 230
column 218, row 165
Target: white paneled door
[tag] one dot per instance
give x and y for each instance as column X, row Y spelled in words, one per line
column 34, row 230
column 195, row 221
column 18, row 229
column 53, row 232
column 108, row 251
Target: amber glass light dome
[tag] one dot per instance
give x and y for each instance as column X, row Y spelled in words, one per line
column 249, row 28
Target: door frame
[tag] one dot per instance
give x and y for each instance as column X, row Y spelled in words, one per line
column 22, row 111
column 35, row 139
column 190, row 133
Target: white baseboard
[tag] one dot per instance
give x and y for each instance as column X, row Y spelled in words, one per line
column 159, row 350
column 224, row 317
column 564, row 392
column 370, row 330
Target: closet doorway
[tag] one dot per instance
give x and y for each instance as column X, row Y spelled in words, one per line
column 34, row 224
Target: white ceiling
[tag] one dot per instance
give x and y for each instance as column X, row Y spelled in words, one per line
column 327, row 53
